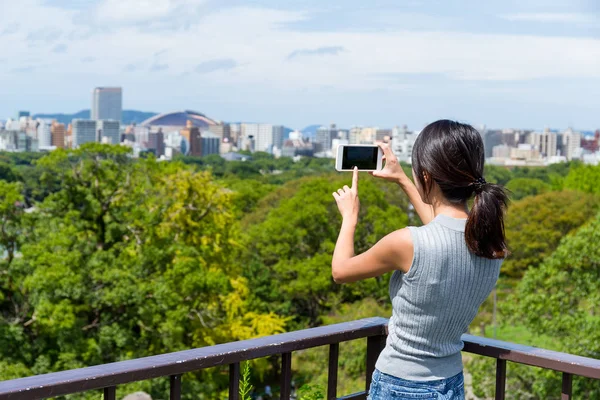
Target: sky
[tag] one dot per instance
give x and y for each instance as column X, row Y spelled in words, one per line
column 508, row 63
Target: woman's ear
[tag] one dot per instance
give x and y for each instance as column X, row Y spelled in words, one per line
column 427, row 189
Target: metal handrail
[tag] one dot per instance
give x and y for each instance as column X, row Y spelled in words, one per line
column 108, row 376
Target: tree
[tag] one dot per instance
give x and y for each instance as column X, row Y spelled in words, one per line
column 295, row 240
column 523, row 187
column 559, row 299
column 585, row 178
column 6, row 173
column 536, row 224
column 496, row 174
column 128, row 259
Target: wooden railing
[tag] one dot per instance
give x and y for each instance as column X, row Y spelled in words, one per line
column 173, row 365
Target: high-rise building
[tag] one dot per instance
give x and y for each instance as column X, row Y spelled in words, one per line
column 344, row 134
column 278, row 136
column 21, row 114
column 324, row 138
column 57, row 132
column 156, row 142
column 107, row 103
column 402, row 143
column 44, row 134
column 235, row 132
column 222, row 130
column 354, row 135
column 514, row 137
column 211, row 143
column 21, row 141
column 109, row 131
column 491, row 138
column 571, row 144
column 8, row 140
column 84, row 131
column 192, row 140
column 545, row 142
column 265, row 136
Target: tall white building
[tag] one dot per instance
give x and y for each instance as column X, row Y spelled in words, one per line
column 109, row 131
column 324, row 138
column 545, row 142
column 107, row 103
column 264, row 136
column 571, row 144
column 402, row 143
column 8, row 140
column 354, row 135
column 84, row 131
column 44, row 135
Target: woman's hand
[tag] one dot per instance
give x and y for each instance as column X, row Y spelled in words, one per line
column 392, row 171
column 347, row 200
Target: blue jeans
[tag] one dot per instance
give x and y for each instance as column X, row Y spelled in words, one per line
column 384, row 387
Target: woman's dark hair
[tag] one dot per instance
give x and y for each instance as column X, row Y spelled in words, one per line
column 452, row 155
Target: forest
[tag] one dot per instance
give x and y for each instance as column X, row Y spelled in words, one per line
column 108, row 258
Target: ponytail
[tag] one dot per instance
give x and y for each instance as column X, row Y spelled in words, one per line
column 452, row 155
column 484, row 232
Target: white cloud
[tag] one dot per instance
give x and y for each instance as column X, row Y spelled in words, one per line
column 567, row 18
column 131, row 10
column 254, row 45
column 135, row 11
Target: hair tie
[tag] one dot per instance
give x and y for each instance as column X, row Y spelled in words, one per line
column 478, row 184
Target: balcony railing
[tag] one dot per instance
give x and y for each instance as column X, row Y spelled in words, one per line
column 173, row 365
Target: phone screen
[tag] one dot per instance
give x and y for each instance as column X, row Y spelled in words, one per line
column 362, row 157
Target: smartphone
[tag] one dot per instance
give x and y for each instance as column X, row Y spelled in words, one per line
column 367, row 157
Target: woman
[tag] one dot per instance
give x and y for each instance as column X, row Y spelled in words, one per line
column 443, row 270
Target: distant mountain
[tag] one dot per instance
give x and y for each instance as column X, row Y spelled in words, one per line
column 136, row 117
column 127, row 117
column 65, row 118
column 311, row 130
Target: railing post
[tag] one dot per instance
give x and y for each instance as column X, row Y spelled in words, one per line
column 375, row 345
column 567, row 386
column 334, row 351
column 500, row 379
column 286, row 376
column 175, row 391
column 234, row 381
column 110, row 393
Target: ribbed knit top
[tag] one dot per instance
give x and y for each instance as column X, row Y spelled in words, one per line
column 434, row 302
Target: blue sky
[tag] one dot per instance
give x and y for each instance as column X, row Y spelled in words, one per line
column 524, row 64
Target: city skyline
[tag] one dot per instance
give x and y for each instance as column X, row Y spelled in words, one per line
column 504, row 64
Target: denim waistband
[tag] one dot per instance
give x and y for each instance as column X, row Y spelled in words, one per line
column 438, row 384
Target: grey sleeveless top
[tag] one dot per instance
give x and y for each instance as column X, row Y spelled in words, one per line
column 434, row 303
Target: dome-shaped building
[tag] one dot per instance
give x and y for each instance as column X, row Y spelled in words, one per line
column 178, row 119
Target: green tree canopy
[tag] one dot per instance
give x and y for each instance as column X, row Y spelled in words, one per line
column 561, row 299
column 536, row 224
column 497, row 174
column 129, row 258
column 295, row 240
column 523, row 187
column 585, row 178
